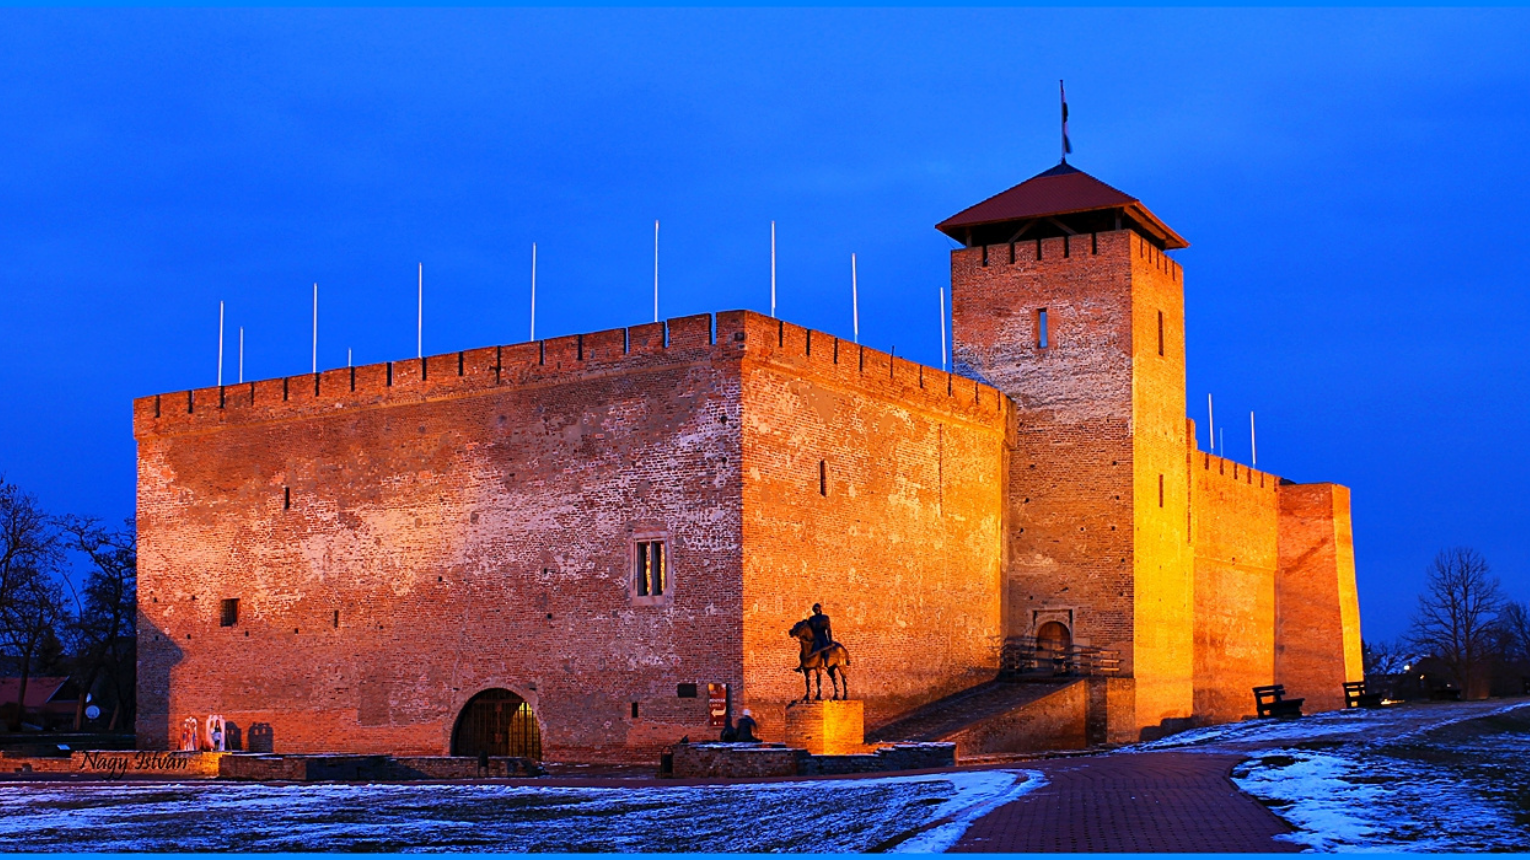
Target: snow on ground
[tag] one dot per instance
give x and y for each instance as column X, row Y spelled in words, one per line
column 918, row 813
column 1423, row 777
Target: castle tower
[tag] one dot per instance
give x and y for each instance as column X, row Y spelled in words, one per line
column 1063, row 297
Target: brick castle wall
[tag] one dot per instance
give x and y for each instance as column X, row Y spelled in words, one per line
column 397, row 548
column 1099, row 417
column 1163, row 599
column 1317, row 612
column 874, row 486
column 467, row 522
column 402, row 536
column 1236, row 525
column 1069, row 499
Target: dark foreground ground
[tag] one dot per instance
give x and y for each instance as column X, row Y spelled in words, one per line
column 1422, row 777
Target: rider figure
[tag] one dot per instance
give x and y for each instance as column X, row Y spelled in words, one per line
column 819, row 624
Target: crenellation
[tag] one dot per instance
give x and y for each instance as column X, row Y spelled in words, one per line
column 646, row 339
column 1051, row 473
column 562, row 353
column 606, row 347
column 692, row 332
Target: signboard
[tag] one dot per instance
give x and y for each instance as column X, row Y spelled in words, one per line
column 717, row 705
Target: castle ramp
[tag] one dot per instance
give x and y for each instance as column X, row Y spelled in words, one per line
column 1000, row 716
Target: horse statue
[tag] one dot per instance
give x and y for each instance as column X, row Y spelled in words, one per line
column 834, row 658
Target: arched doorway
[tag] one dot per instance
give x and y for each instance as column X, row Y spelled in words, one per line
column 1053, row 639
column 499, row 723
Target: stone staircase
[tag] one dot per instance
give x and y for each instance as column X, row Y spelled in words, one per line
column 1000, row 716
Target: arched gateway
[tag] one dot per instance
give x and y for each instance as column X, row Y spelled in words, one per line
column 1053, row 638
column 499, row 723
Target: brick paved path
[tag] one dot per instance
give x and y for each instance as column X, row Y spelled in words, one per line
column 1164, row 801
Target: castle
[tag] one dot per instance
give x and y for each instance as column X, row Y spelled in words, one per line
column 572, row 546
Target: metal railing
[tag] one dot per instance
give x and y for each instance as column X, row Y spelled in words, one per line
column 1022, row 657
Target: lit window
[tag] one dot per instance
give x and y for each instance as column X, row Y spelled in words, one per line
column 651, row 573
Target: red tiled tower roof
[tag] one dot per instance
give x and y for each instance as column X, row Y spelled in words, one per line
column 1063, row 190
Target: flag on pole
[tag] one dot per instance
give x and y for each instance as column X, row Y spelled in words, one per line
column 1067, row 146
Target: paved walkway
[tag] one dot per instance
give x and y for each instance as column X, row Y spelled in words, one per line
column 1160, row 801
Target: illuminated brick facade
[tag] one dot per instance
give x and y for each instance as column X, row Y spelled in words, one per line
column 402, row 537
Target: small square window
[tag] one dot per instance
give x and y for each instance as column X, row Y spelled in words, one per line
column 651, row 574
column 229, row 615
column 685, row 691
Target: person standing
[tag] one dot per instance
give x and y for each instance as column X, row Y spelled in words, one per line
column 744, row 732
column 823, row 636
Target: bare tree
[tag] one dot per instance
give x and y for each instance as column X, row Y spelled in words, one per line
column 32, row 618
column 31, row 603
column 1512, row 630
column 1456, row 612
column 29, row 543
column 1383, row 658
column 105, row 626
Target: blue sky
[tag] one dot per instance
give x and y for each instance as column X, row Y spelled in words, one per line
column 1350, row 181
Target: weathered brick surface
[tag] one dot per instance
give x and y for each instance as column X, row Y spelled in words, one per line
column 468, row 527
column 1236, row 524
column 467, row 522
column 1117, row 526
column 402, row 536
column 900, row 540
column 1317, row 615
column 827, row 727
column 1099, row 418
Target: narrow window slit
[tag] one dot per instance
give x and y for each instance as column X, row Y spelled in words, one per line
column 651, row 573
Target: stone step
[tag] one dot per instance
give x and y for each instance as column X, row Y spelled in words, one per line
column 958, row 712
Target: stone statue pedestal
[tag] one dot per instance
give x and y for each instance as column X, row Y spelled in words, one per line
column 827, row 727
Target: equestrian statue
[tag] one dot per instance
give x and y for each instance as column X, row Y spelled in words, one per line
column 820, row 652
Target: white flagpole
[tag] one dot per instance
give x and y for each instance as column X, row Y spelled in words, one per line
column 419, row 319
column 220, row 344
column 942, row 328
column 533, row 291
column 348, row 358
column 315, row 328
column 855, row 301
column 241, row 353
column 655, row 270
column 772, row 268
column 1211, row 425
column 1253, row 442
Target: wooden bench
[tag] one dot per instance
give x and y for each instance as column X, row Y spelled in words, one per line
column 1271, row 701
column 1355, row 696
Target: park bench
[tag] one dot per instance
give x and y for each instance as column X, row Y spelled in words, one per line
column 1271, row 701
column 1355, row 696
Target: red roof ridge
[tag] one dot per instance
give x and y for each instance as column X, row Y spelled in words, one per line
column 1060, row 190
